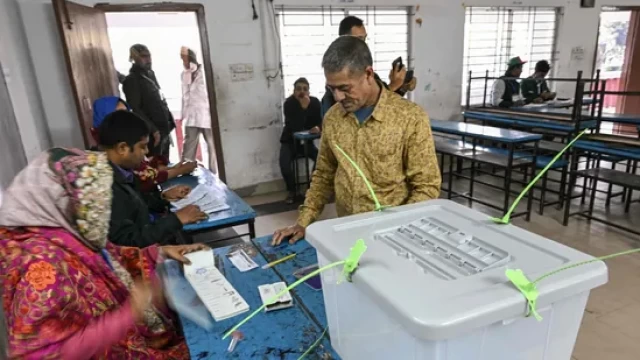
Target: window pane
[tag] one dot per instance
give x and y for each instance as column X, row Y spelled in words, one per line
column 493, row 35
column 306, row 34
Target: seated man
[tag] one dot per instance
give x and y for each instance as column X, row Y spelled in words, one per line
column 534, row 88
column 153, row 171
column 124, row 137
column 506, row 90
column 387, row 136
column 354, row 26
column 301, row 112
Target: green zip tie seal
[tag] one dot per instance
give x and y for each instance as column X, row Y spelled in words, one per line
column 507, row 217
column 351, row 263
column 529, row 288
column 366, row 181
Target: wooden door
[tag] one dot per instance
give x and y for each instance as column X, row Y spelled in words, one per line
column 87, row 52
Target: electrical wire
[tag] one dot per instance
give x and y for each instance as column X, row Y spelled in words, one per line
column 277, row 42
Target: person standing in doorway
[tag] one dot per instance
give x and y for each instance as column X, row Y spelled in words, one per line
column 145, row 97
column 195, row 110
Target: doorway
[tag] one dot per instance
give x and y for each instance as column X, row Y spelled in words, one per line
column 99, row 38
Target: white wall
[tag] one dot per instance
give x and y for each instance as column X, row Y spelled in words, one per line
column 250, row 111
column 18, row 71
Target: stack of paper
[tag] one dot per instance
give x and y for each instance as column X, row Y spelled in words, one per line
column 208, row 199
column 268, row 291
column 217, row 294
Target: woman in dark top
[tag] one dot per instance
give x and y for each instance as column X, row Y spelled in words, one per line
column 301, row 113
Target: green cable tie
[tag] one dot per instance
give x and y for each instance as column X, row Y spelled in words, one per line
column 356, row 252
column 366, row 181
column 529, row 289
column 507, row 217
column 351, row 262
column 314, row 345
column 277, row 296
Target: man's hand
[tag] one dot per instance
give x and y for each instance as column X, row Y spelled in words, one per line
column 190, row 214
column 314, row 130
column 177, row 252
column 548, row 95
column 187, row 167
column 176, row 193
column 156, row 138
column 295, row 232
column 304, row 101
column 396, row 77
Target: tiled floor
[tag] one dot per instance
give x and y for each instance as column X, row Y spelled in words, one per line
column 611, row 325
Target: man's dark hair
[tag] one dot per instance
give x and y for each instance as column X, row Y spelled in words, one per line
column 349, row 52
column 122, row 127
column 348, row 23
column 301, row 80
column 543, row 66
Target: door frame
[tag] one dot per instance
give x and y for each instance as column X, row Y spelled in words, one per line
column 198, row 9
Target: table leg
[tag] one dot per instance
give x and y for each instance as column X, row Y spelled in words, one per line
column 573, row 167
column 507, row 179
column 533, row 188
column 306, row 162
column 252, row 229
column 295, row 167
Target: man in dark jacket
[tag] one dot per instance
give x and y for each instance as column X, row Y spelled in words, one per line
column 301, row 112
column 535, row 88
column 124, row 136
column 506, row 90
column 145, row 98
column 354, row 26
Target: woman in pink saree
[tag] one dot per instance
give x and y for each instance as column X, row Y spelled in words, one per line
column 68, row 293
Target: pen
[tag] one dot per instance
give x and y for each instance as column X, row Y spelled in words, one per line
column 274, row 263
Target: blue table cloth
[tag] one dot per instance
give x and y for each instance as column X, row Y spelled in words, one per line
column 239, row 211
column 282, row 334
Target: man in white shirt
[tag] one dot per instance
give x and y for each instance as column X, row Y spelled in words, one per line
column 195, row 110
column 506, row 90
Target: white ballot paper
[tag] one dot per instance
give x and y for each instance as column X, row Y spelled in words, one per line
column 208, row 199
column 242, row 261
column 217, row 294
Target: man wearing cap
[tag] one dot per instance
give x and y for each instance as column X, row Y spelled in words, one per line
column 145, row 98
column 534, row 88
column 506, row 90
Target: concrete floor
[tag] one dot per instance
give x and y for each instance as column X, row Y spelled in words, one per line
column 610, row 328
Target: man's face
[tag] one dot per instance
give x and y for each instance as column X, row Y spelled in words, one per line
column 351, row 89
column 301, row 90
column 360, row 32
column 144, row 59
column 133, row 157
column 517, row 71
column 185, row 60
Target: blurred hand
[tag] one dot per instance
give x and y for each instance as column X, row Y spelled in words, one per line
column 539, row 100
column 396, row 77
column 304, row 101
column 141, row 298
column 190, row 214
column 314, row 130
column 177, row 252
column 176, row 193
column 295, row 233
column 411, row 85
column 187, row 167
column 156, row 138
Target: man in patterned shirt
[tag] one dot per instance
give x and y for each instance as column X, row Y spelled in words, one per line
column 387, row 136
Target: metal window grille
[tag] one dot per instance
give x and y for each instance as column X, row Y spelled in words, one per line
column 493, row 35
column 306, row 33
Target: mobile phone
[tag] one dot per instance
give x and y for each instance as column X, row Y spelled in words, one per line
column 408, row 77
column 397, row 62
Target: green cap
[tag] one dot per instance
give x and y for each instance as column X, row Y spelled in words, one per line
column 516, row 61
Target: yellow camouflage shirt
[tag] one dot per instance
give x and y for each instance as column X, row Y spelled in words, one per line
column 393, row 147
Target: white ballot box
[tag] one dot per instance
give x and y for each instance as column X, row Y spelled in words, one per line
column 432, row 286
